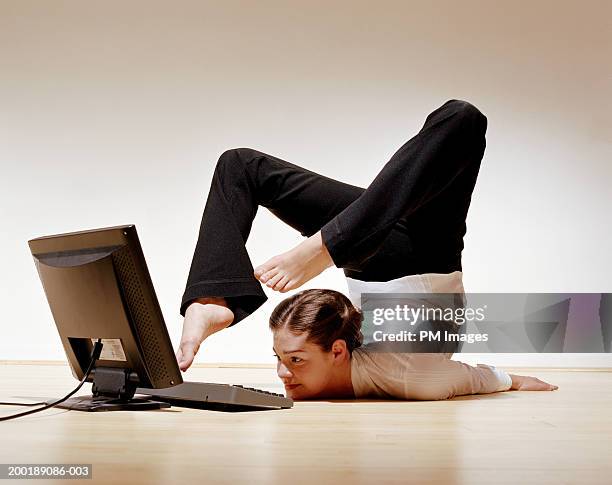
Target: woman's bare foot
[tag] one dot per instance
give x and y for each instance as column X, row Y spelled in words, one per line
column 292, row 269
column 203, row 317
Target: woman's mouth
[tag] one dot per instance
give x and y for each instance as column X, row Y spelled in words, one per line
column 291, row 386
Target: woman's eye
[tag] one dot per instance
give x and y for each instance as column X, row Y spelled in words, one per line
column 294, row 360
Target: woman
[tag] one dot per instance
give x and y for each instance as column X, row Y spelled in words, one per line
column 317, row 342
column 404, row 231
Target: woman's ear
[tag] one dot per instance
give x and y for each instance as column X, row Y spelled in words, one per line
column 339, row 349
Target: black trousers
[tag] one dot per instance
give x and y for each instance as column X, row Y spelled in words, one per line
column 410, row 220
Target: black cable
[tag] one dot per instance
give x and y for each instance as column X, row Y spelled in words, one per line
column 95, row 355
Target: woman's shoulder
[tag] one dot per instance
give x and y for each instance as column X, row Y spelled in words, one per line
column 374, row 355
column 401, row 375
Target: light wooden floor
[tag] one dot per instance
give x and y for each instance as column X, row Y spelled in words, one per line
column 514, row 437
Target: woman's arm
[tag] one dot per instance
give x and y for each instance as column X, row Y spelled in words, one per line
column 426, row 377
column 431, row 376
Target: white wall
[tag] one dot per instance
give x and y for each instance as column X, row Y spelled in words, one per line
column 115, row 112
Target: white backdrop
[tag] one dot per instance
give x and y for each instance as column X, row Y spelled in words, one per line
column 116, row 112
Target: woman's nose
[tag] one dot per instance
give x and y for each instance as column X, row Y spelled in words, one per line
column 282, row 371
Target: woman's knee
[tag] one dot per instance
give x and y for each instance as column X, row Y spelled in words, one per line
column 234, row 160
column 468, row 113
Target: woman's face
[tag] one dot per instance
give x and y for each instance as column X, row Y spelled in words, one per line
column 305, row 369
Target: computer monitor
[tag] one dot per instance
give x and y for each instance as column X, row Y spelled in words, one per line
column 98, row 287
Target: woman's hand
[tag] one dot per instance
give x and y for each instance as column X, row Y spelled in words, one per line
column 528, row 383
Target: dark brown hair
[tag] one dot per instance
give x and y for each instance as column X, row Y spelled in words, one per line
column 326, row 315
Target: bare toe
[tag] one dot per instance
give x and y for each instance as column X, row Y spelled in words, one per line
column 260, row 271
column 268, row 275
column 274, row 280
column 290, row 285
column 281, row 283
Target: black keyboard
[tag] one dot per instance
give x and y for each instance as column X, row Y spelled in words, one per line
column 222, row 397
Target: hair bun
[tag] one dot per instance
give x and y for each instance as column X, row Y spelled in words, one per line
column 353, row 318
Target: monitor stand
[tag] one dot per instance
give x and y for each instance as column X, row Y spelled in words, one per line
column 113, row 390
column 101, row 403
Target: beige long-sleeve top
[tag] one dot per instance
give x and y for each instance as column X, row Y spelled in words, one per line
column 417, row 375
column 420, row 376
